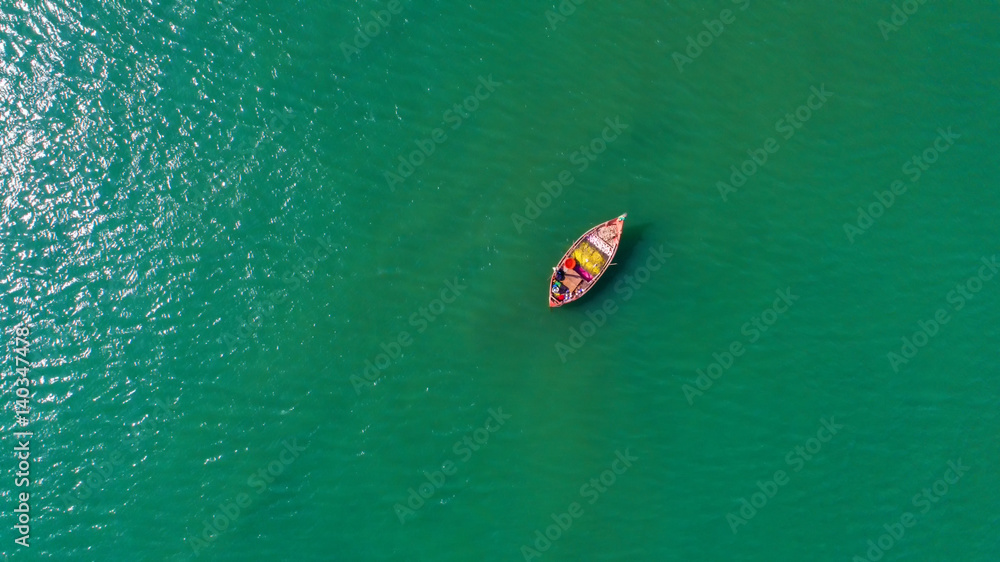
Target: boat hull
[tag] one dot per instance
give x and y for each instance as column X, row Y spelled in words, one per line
column 585, row 261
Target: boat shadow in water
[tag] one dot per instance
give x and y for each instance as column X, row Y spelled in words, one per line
column 625, row 261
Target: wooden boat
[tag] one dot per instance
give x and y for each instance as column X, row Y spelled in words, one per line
column 588, row 258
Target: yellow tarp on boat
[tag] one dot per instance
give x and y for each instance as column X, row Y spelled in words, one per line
column 589, row 257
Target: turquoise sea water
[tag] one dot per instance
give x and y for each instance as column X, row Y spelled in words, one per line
column 795, row 354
